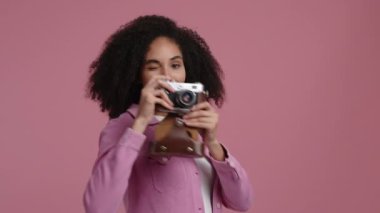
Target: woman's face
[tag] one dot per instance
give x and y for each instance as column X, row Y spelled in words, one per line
column 163, row 58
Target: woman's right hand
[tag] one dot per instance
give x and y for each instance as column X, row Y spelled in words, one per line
column 151, row 94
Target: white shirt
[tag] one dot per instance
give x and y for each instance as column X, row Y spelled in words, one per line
column 206, row 174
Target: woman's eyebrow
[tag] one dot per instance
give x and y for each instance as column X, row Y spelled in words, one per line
column 176, row 57
column 151, row 61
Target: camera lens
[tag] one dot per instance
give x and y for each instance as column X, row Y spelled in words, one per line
column 186, row 98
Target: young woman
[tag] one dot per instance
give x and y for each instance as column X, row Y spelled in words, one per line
column 128, row 79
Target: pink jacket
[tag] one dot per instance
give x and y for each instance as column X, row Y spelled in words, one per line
column 123, row 170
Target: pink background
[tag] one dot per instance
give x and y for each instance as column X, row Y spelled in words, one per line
column 302, row 113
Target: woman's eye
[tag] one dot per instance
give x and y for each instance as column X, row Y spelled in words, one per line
column 176, row 66
column 152, row 68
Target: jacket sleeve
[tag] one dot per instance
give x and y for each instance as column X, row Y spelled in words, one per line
column 118, row 150
column 236, row 190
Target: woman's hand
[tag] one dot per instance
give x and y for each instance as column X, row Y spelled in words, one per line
column 205, row 117
column 153, row 93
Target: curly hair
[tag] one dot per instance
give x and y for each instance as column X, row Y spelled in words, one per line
column 115, row 74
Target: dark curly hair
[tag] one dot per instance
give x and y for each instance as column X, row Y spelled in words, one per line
column 115, row 74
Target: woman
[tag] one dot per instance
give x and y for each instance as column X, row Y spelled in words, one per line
column 128, row 79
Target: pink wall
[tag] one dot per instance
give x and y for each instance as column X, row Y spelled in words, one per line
column 303, row 95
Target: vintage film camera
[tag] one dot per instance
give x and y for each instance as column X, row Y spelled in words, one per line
column 185, row 96
column 172, row 137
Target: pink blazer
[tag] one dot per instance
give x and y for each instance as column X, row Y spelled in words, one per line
column 124, row 171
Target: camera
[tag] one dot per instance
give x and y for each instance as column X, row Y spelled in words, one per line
column 172, row 136
column 186, row 95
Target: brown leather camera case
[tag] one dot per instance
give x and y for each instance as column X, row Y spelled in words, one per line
column 173, row 138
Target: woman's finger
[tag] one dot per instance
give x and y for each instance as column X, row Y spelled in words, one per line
column 202, row 106
column 160, row 93
column 197, row 124
column 154, row 81
column 165, row 85
column 198, row 113
column 163, row 103
column 201, row 119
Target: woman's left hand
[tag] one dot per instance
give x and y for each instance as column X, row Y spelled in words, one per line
column 203, row 116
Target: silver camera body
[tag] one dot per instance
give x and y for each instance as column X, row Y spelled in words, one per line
column 185, row 95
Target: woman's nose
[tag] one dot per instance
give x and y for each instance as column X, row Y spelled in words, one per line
column 165, row 71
